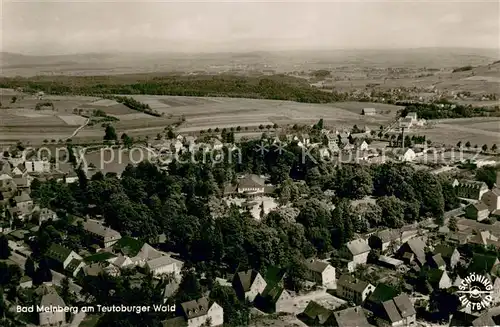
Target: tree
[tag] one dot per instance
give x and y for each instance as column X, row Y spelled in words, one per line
column 189, row 288
column 13, row 99
column 43, row 273
column 494, row 148
column 485, row 148
column 4, row 247
column 459, row 144
column 261, row 126
column 467, row 145
column 452, row 224
column 110, row 133
column 275, row 126
column 487, row 174
column 29, row 267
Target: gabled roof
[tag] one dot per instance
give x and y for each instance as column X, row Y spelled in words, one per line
column 24, row 197
column 272, row 292
column 97, row 228
column 382, row 293
column 317, row 312
column 446, row 251
column 58, row 252
column 438, row 260
column 251, row 181
column 195, row 308
column 351, row 317
column 52, row 299
column 274, row 275
column 479, row 206
column 352, row 283
column 398, row 308
column 246, row 279
column 434, row 275
column 388, row 235
column 5, row 177
column 358, row 246
column 162, row 261
column 417, row 247
column 128, row 246
column 472, row 184
column 316, row 265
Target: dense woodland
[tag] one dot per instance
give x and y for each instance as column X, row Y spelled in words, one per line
column 444, row 110
column 273, row 87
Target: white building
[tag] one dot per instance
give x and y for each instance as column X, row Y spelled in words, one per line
column 165, row 265
column 492, row 199
column 37, row 166
column 320, row 272
column 52, row 318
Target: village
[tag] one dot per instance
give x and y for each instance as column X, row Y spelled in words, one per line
column 382, row 277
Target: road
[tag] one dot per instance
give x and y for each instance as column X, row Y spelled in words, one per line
column 79, row 128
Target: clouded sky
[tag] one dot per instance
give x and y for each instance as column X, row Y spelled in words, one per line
column 66, row 26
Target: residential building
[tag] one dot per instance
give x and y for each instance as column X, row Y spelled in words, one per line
column 397, row 312
column 470, row 189
column 19, row 171
column 7, row 183
column 405, row 123
column 25, row 282
column 356, row 252
column 353, row 289
column 438, row 278
column 64, row 260
column 413, row 251
column 381, row 294
column 24, row 203
column 46, row 214
column 368, row 112
column 316, row 315
column 320, row 272
column 165, row 265
column 52, row 317
column 248, row 284
column 361, row 145
column 198, row 313
column 104, row 236
column 477, row 211
column 350, row 317
column 413, row 116
column 450, row 254
column 382, row 240
column 492, row 199
column 437, row 261
column 37, row 166
column 408, row 156
column 274, row 298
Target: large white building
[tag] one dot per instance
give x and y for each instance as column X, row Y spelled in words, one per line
column 165, row 265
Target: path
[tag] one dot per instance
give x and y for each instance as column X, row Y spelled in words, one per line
column 79, row 128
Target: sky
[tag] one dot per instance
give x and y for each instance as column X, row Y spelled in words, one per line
column 58, row 27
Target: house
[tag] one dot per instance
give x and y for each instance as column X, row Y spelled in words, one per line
column 356, row 252
column 24, row 203
column 477, row 211
column 320, row 272
column 484, row 264
column 413, row 251
column 250, row 185
column 397, row 312
column 37, row 166
column 382, row 240
column 437, row 261
column 412, row 115
column 350, row 317
column 316, row 315
column 25, row 282
column 408, row 156
column 164, row 265
column 405, row 123
column 98, row 268
column 382, row 293
column 46, row 214
column 196, row 313
column 274, row 298
column 19, row 171
column 22, row 182
column 450, row 254
column 492, row 199
column 368, row 112
column 104, row 236
column 438, row 278
column 217, row 144
column 470, row 189
column 353, row 289
column 51, row 317
column 248, row 284
column 63, row 259
column 361, row 145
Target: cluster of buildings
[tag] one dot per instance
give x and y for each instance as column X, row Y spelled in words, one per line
column 484, row 203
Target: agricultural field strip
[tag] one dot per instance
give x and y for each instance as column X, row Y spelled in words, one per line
column 137, row 115
column 73, row 120
column 470, row 130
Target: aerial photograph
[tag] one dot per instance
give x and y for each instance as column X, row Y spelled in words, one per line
column 249, row 163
